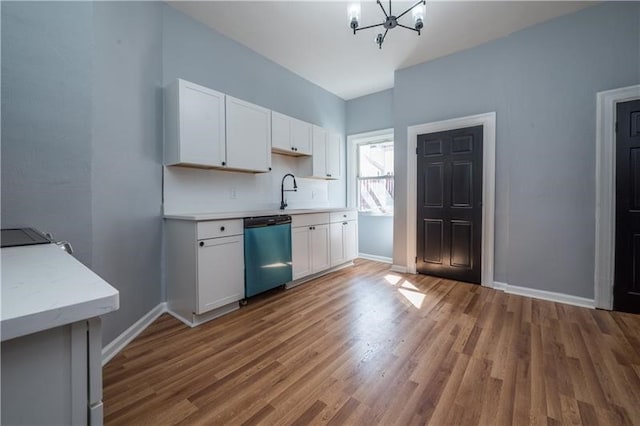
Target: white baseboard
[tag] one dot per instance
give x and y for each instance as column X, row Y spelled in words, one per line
column 375, row 258
column 196, row 320
column 295, row 283
column 399, row 268
column 117, row 344
column 545, row 295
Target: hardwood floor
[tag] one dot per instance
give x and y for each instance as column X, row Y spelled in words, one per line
column 368, row 346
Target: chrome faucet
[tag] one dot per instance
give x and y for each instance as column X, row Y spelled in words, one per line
column 282, row 190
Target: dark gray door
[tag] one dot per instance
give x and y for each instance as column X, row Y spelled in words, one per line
column 626, row 289
column 449, row 204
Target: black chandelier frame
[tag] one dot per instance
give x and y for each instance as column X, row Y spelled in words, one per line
column 389, row 22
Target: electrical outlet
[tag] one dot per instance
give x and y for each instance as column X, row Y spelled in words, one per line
column 232, row 193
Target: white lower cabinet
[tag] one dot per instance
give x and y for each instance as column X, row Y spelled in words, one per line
column 344, row 239
column 321, row 241
column 205, row 268
column 300, row 247
column 310, row 244
column 220, row 272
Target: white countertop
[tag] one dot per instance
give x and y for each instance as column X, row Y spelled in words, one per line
column 44, row 287
column 254, row 213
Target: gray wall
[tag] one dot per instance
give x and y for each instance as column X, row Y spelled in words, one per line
column 82, row 126
column 46, row 120
column 542, row 83
column 366, row 114
column 127, row 156
column 81, row 138
column 375, row 235
column 370, row 112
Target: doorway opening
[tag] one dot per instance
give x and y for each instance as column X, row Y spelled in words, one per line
column 606, row 191
column 488, row 123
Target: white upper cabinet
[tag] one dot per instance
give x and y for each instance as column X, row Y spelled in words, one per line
column 301, row 136
column 248, row 136
column 280, row 133
column 319, row 159
column 208, row 129
column 333, row 155
column 326, row 154
column 290, row 136
column 194, row 126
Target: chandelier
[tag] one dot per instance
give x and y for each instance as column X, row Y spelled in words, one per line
column 390, row 20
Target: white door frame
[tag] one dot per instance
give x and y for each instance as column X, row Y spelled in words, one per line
column 606, row 191
column 488, row 123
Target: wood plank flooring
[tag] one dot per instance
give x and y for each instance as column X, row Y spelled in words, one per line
column 368, row 346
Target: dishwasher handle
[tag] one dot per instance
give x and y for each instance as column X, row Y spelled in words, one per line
column 262, row 221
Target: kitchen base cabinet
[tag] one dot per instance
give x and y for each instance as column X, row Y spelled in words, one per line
column 344, row 237
column 54, row 376
column 310, row 247
column 300, row 246
column 205, row 268
column 310, row 244
column 321, row 241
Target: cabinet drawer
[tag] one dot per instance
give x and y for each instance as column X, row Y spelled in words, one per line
column 309, row 219
column 219, row 228
column 342, row 216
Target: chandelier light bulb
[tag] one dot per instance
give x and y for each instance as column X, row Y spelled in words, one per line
column 354, row 16
column 418, row 17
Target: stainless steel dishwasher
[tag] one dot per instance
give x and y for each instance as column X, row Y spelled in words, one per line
column 267, row 253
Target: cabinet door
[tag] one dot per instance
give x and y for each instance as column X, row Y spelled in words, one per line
column 333, row 156
column 319, row 155
column 320, row 255
column 301, row 134
column 248, row 136
column 280, row 132
column 220, row 272
column 300, row 256
column 350, row 239
column 337, row 245
column 201, row 125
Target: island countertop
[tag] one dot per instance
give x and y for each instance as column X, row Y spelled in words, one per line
column 45, row 287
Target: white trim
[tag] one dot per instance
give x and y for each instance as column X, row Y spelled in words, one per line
column 399, row 268
column 545, row 295
column 605, row 191
column 352, row 142
column 315, row 275
column 118, row 344
column 197, row 320
column 375, row 258
column 488, row 121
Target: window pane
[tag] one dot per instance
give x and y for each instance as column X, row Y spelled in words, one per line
column 376, row 195
column 375, row 159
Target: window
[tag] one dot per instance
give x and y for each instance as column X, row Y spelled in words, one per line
column 374, row 178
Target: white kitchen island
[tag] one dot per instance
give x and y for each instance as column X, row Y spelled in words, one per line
column 51, row 337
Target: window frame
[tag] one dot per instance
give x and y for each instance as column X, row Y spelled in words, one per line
column 353, row 168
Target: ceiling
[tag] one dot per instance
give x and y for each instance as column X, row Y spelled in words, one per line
column 313, row 39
